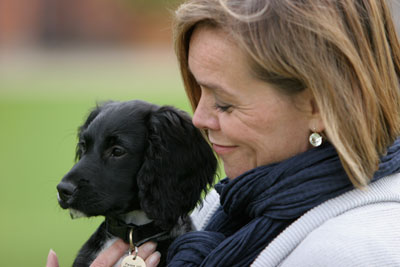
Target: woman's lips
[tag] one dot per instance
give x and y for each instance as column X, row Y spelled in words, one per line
column 220, row 149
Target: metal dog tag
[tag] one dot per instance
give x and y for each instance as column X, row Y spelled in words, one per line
column 130, row 260
column 133, row 261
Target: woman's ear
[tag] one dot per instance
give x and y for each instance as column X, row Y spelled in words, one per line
column 178, row 166
column 309, row 105
column 316, row 123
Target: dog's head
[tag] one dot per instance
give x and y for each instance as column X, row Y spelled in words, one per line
column 138, row 156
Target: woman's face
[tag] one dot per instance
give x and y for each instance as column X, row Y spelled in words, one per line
column 249, row 123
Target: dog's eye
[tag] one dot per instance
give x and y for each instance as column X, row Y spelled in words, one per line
column 117, row 152
column 82, row 146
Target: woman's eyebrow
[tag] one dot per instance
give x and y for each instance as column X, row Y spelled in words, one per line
column 215, row 87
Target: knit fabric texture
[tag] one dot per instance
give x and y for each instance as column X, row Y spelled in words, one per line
column 359, row 228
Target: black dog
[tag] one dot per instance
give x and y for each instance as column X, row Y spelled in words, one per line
column 141, row 166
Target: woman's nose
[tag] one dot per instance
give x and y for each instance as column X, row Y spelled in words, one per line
column 204, row 116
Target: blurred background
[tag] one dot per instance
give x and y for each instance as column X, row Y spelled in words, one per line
column 57, row 59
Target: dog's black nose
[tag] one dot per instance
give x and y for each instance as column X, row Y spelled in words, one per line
column 65, row 190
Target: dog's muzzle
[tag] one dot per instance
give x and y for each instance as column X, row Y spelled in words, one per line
column 64, row 196
column 65, row 192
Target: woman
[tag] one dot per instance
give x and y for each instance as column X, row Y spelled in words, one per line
column 301, row 101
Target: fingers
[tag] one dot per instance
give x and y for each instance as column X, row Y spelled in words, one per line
column 153, row 260
column 111, row 255
column 52, row 260
column 147, row 252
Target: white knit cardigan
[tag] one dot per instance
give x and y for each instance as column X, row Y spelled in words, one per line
column 358, row 228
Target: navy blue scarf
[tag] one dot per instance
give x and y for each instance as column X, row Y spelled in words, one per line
column 258, row 205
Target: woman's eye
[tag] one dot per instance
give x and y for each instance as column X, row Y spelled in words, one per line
column 222, row 108
column 117, row 152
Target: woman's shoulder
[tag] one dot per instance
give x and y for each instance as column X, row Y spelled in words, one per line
column 364, row 236
column 356, row 225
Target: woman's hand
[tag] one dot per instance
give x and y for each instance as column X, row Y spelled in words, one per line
column 117, row 250
column 111, row 255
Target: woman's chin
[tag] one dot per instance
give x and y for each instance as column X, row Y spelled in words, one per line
column 238, row 162
column 234, row 171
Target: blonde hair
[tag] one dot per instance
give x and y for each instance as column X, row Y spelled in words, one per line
column 346, row 52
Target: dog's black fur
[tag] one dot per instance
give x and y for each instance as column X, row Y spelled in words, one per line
column 137, row 156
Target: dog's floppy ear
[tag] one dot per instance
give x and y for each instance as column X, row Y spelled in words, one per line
column 92, row 115
column 179, row 165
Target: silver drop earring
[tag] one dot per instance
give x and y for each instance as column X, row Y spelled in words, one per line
column 315, row 139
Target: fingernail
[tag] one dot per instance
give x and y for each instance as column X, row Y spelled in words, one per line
column 52, row 259
column 149, row 247
column 155, row 258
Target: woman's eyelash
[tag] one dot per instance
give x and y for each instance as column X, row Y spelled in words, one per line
column 222, row 108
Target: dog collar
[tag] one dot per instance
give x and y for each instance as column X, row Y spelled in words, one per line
column 140, row 233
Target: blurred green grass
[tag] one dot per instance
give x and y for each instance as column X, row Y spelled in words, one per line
column 41, row 106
